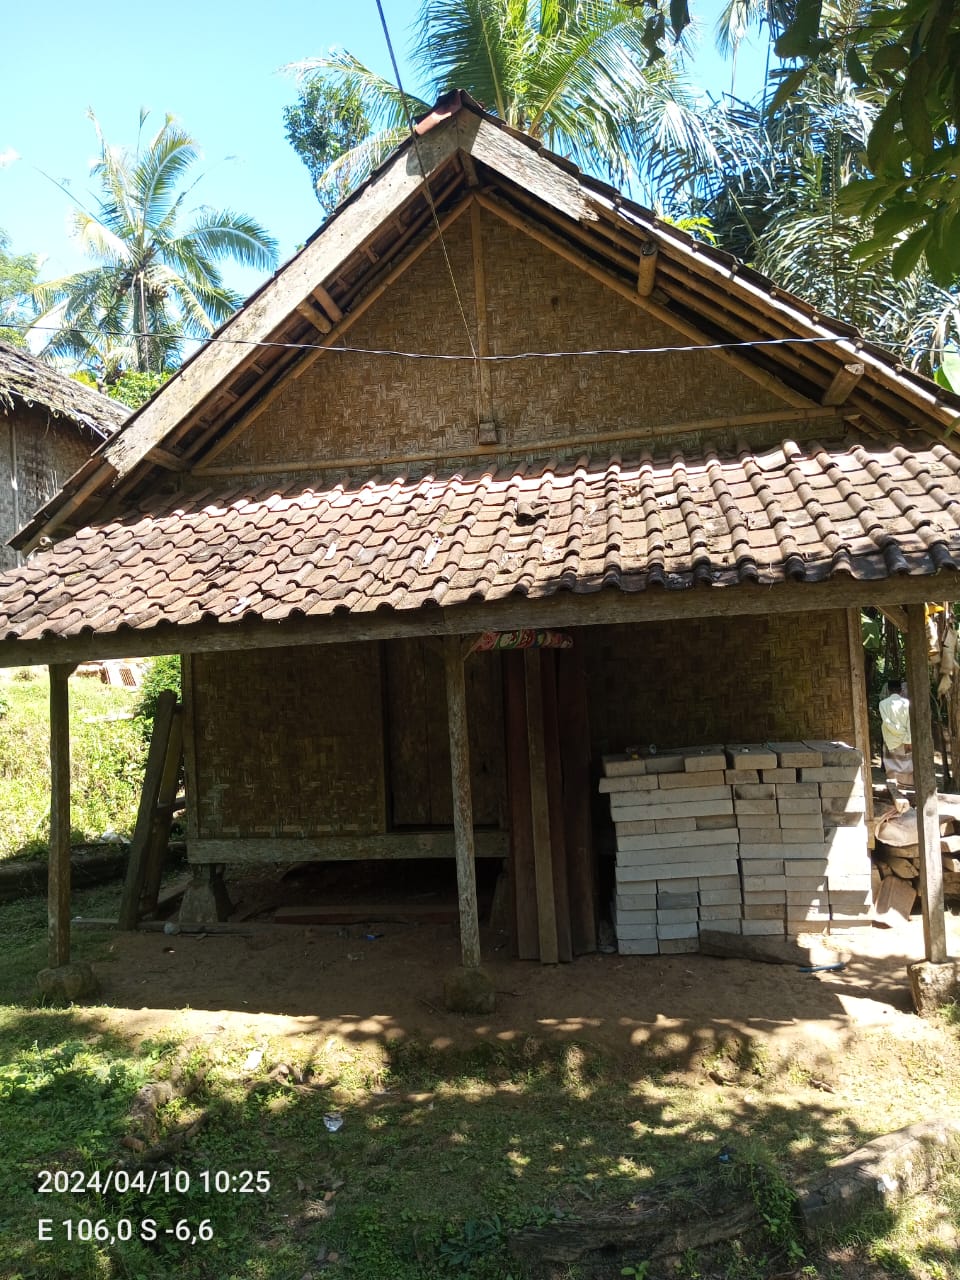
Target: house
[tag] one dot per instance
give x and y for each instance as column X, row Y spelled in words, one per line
column 499, row 475
column 49, row 426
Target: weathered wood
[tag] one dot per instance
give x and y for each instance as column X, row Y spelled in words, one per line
column 563, row 609
column 58, row 880
column 827, row 418
column 540, row 810
column 574, row 725
column 925, row 787
column 462, row 801
column 554, row 772
column 897, row 616
column 159, row 834
column 154, row 776
column 360, row 912
column 895, row 900
column 378, row 846
column 844, row 381
column 647, row 268
column 861, row 710
column 556, row 187
column 191, row 777
column 523, row 878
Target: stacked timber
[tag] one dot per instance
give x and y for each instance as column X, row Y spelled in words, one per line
column 766, row 839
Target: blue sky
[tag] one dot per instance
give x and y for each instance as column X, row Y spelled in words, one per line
column 216, row 66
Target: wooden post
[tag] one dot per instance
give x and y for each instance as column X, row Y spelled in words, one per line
column 159, row 787
column 861, row 710
column 554, row 768
column 523, row 880
column 540, row 805
column 574, row 711
column 58, row 878
column 925, row 785
column 462, row 801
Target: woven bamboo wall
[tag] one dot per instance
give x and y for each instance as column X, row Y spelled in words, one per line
column 47, row 454
column 775, row 678
column 349, row 405
column 289, row 741
column 418, row 737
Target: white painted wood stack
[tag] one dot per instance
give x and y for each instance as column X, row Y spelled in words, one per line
column 766, row 839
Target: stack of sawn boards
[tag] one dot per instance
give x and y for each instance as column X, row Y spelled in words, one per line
column 766, row 839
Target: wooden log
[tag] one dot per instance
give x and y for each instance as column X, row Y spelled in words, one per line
column 58, row 881
column 523, row 879
column 558, row 844
column 925, row 785
column 462, row 801
column 153, row 777
column 574, row 723
column 159, row 834
column 844, row 381
column 647, row 268
column 540, row 810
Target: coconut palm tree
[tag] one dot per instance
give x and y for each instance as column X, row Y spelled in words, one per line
column 571, row 72
column 156, row 278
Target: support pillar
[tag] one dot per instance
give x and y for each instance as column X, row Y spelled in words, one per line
column 925, row 784
column 58, row 877
column 462, row 801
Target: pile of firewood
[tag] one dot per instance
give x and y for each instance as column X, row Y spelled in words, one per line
column 898, row 861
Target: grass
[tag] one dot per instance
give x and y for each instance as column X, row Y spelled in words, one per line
column 441, row 1155
column 107, row 761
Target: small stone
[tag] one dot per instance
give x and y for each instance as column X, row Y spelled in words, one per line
column 468, row 991
column 934, row 985
column 68, row 983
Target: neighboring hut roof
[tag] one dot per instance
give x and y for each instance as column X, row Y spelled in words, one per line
column 705, row 295
column 26, row 379
column 802, row 514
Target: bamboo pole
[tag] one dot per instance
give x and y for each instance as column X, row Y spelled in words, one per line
column 462, row 800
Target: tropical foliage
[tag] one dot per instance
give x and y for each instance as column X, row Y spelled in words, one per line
column 156, row 277
column 571, row 72
column 18, row 276
column 324, row 123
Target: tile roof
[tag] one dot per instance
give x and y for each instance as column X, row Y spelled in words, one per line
column 803, row 513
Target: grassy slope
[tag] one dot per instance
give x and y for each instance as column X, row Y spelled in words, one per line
column 107, row 762
column 439, row 1155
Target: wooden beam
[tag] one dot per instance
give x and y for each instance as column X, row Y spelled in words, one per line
column 379, row 846
column 58, row 879
column 462, row 801
column 925, row 786
column 485, row 405
column 522, row 448
column 154, row 775
column 328, row 304
column 661, row 313
column 860, row 706
column 647, row 268
column 897, row 615
column 523, row 880
column 540, row 809
column 561, row 609
column 844, row 381
column 315, row 315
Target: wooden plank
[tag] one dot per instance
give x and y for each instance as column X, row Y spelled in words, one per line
column 574, row 727
column 380, row 846
column 58, row 878
column 558, row 844
column 861, row 710
column 360, row 912
column 925, row 786
column 190, row 775
column 153, row 778
column 462, row 801
column 523, row 879
column 540, row 810
column 159, row 835
column 563, row 609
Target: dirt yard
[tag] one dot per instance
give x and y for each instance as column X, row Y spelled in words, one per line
column 374, row 986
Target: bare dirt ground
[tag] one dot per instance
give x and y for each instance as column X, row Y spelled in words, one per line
column 281, row 981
